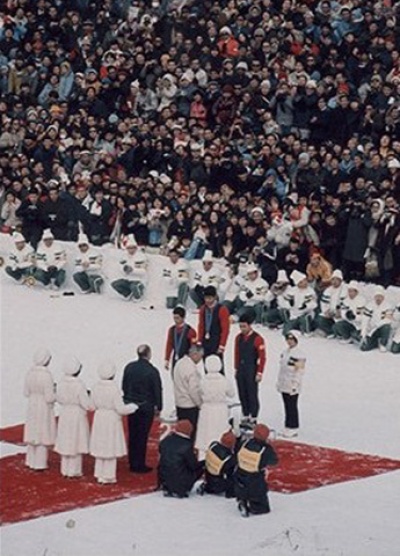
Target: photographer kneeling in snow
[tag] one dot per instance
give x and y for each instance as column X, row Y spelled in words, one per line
column 179, row 468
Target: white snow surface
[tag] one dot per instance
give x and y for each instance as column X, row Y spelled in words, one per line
column 350, row 401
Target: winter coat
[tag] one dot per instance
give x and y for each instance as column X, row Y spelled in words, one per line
column 50, row 256
column 187, row 383
column 134, row 267
column 352, row 310
column 302, row 301
column 214, row 412
column 90, row 262
column 253, row 291
column 141, row 384
column 290, row 378
column 356, row 240
column 40, row 424
column 376, row 316
column 73, row 424
column 331, row 299
column 178, row 464
column 174, row 275
column 107, row 439
column 21, row 258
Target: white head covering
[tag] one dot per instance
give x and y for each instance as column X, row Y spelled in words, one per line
column 297, row 277
column 130, row 241
column 337, row 274
column 213, row 364
column 208, row 256
column 47, row 234
column 18, row 238
column 71, row 366
column 282, row 277
column 42, row 357
column 106, row 370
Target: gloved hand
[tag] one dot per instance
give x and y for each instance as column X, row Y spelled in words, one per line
column 127, row 269
column 350, row 315
column 249, row 294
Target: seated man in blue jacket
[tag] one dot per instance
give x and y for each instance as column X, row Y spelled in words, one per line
column 179, row 468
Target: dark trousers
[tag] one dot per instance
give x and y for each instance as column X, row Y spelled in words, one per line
column 291, row 410
column 139, row 428
column 248, row 393
column 190, row 413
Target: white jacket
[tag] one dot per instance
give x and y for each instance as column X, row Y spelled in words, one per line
column 291, row 371
column 134, row 267
column 257, row 289
column 206, row 278
column 302, row 301
column 376, row 316
column 73, row 424
column 353, row 308
column 186, row 379
column 90, row 262
column 107, row 439
column 50, row 256
column 174, row 275
column 331, row 300
column 21, row 258
column 40, row 424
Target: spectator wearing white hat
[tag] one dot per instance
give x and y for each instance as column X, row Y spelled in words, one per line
column 133, row 268
column 207, row 275
column 107, row 440
column 21, row 261
column 329, row 310
column 290, row 378
column 51, row 259
column 176, row 275
column 88, row 265
column 252, row 293
column 351, row 310
column 278, row 305
column 40, row 423
column 376, row 323
column 73, row 425
column 303, row 303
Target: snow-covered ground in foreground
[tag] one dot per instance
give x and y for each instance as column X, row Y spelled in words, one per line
column 350, row 401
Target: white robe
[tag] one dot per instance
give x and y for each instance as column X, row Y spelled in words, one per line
column 73, row 424
column 107, row 439
column 214, row 412
column 40, row 424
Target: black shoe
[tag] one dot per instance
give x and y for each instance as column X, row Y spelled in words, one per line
column 243, row 508
column 143, row 469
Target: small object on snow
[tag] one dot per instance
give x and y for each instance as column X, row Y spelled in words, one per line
column 70, row 524
column 68, row 293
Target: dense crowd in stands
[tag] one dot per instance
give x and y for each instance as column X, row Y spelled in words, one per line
column 263, row 129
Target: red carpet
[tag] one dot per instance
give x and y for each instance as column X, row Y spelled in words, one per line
column 26, row 494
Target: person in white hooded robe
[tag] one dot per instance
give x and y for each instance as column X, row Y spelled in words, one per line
column 40, row 424
column 214, row 413
column 107, row 440
column 73, row 425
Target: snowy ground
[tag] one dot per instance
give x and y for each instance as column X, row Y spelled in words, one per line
column 350, row 401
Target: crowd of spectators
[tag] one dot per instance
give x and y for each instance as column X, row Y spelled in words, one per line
column 267, row 129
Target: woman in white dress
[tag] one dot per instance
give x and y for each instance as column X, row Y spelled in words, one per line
column 73, row 425
column 107, row 441
column 40, row 424
column 214, row 412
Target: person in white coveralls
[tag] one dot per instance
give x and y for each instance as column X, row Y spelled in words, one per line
column 88, row 267
column 50, row 261
column 21, row 260
column 107, row 439
column 40, row 423
column 73, row 424
column 175, row 275
column 133, row 269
